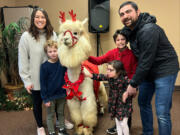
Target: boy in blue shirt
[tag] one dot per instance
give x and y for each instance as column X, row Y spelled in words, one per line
column 52, row 93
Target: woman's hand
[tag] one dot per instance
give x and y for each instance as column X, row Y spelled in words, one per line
column 29, row 88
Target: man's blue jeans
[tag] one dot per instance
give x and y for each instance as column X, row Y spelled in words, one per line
column 163, row 89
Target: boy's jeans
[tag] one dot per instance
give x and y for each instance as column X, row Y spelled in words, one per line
column 163, row 88
column 59, row 103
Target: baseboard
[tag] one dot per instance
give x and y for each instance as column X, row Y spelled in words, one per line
column 177, row 87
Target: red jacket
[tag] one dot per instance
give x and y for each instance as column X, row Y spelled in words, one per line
column 126, row 57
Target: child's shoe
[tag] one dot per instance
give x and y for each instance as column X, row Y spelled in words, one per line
column 112, row 130
column 62, row 132
column 41, row 131
column 68, row 124
column 52, row 133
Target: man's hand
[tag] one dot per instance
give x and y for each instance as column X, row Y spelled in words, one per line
column 29, row 88
column 131, row 91
column 125, row 96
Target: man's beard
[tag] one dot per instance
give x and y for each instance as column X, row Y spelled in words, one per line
column 132, row 24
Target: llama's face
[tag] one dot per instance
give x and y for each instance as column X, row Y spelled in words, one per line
column 70, row 33
column 73, row 43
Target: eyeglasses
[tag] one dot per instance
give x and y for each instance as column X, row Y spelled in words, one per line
column 110, row 70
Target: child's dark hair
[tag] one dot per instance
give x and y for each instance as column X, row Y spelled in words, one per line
column 119, row 67
column 120, row 32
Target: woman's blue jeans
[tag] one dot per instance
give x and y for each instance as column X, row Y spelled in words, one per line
column 163, row 89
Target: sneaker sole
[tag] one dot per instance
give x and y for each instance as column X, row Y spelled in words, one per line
column 111, row 133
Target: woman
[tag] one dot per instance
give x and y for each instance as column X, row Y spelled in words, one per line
column 31, row 56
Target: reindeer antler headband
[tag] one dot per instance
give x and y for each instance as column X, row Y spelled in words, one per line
column 62, row 16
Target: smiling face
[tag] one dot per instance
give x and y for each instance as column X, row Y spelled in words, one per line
column 121, row 42
column 39, row 20
column 129, row 16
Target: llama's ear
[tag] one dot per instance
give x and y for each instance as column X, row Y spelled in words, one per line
column 60, row 22
column 85, row 20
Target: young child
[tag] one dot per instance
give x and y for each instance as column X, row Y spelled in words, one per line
column 52, row 93
column 118, row 81
column 121, row 53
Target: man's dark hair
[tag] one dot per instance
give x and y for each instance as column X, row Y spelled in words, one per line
column 133, row 4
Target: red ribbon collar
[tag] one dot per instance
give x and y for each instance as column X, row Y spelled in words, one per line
column 72, row 88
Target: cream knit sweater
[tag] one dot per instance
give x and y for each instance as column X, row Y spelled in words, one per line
column 30, row 57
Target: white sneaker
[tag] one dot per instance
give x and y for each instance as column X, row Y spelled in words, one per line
column 41, row 131
column 68, row 124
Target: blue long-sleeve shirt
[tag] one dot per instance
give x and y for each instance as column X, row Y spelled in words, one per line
column 51, row 81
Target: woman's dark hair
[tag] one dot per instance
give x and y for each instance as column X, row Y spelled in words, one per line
column 119, row 67
column 133, row 4
column 34, row 30
column 120, row 32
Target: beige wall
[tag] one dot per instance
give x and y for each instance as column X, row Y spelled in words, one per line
column 80, row 7
column 16, row 2
column 166, row 12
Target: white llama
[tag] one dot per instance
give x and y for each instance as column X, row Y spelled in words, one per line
column 74, row 48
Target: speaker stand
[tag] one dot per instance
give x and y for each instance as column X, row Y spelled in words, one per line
column 98, row 43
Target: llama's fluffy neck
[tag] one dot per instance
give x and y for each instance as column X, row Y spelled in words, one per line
column 71, row 56
column 73, row 73
column 72, row 59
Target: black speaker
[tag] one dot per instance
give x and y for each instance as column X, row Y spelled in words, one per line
column 99, row 11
